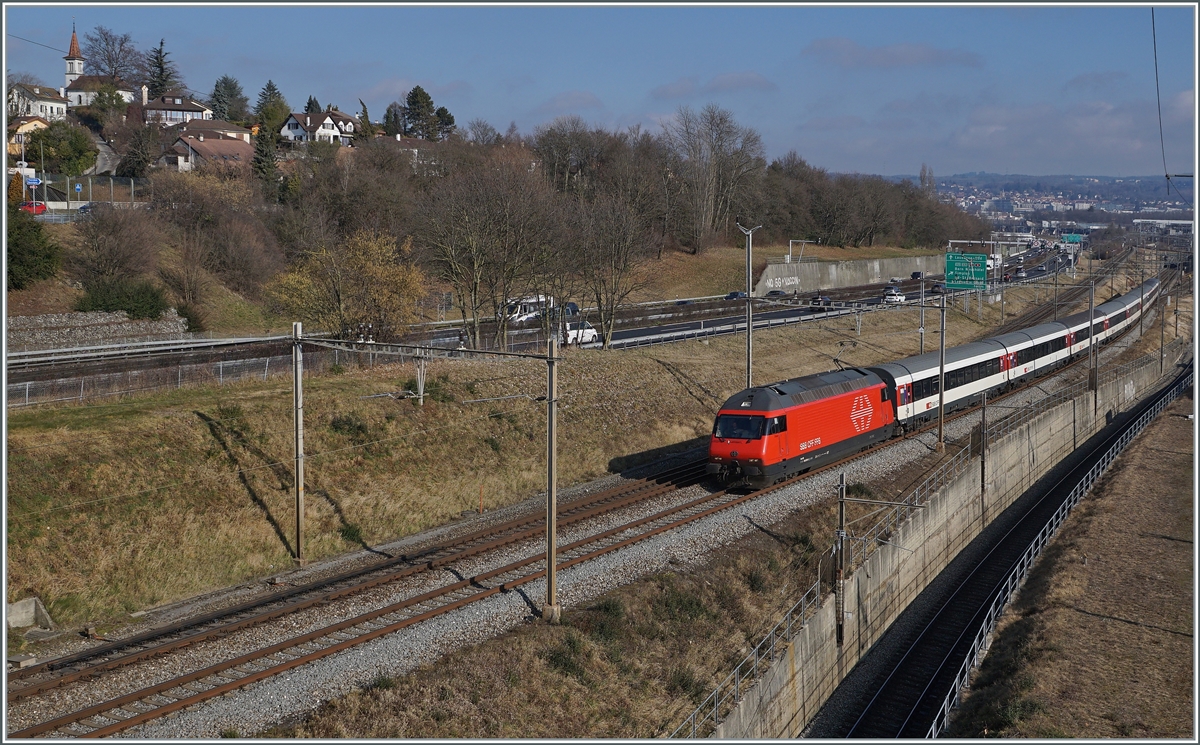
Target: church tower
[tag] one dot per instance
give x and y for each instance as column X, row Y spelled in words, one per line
column 74, row 59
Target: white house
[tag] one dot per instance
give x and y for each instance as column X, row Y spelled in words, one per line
column 171, row 108
column 326, row 126
column 36, row 100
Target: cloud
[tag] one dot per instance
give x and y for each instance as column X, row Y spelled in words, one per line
column 849, row 54
column 681, row 88
column 831, row 123
column 739, row 81
column 450, row 90
column 569, row 102
column 925, row 105
column 1095, row 82
column 688, row 87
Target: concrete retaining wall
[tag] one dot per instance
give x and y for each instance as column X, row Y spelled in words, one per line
column 790, row 694
column 810, row 276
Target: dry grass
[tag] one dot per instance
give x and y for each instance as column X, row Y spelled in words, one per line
column 121, row 506
column 632, row 664
column 1099, row 642
column 722, row 269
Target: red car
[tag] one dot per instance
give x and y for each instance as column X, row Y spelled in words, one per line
column 34, row 208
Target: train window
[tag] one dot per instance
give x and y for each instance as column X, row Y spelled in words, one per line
column 776, row 424
column 739, row 426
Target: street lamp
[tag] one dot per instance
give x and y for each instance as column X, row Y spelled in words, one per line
column 749, row 298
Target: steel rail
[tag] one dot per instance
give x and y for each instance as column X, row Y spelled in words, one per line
column 472, row 544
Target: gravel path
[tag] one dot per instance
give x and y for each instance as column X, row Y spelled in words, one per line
column 292, row 695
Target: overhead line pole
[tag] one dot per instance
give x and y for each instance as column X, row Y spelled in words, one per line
column 298, row 408
column 749, row 302
column 941, row 443
column 552, row 611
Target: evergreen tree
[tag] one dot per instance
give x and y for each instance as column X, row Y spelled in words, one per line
column 445, row 122
column 263, row 163
column 366, row 129
column 31, row 254
column 393, row 120
column 162, row 74
column 143, row 150
column 313, row 106
column 419, row 117
column 228, row 102
column 272, row 109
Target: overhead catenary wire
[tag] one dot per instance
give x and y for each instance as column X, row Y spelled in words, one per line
column 1158, row 95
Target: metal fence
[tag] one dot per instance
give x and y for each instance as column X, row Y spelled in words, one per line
column 1016, row 578
column 729, row 692
column 223, row 372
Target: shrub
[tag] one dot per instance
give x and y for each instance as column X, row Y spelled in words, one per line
column 138, row 298
column 193, row 316
column 31, row 255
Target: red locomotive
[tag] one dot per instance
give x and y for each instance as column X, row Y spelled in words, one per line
column 768, row 433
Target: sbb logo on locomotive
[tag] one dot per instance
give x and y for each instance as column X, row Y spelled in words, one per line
column 860, row 413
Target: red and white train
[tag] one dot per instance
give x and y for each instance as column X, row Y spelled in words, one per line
column 768, row 433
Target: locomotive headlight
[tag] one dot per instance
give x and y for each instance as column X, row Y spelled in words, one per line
column 717, row 458
column 755, row 461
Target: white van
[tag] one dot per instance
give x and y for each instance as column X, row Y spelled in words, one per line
column 527, row 308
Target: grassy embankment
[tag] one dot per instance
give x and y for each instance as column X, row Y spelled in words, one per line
column 1098, row 644
column 119, row 506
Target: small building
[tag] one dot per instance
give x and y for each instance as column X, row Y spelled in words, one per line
column 23, row 126
column 326, row 126
column 210, row 128
column 36, row 100
column 172, row 107
column 196, row 150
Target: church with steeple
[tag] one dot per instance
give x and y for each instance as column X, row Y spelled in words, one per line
column 80, row 89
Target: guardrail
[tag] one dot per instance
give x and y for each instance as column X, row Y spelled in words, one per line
column 729, row 692
column 1016, row 578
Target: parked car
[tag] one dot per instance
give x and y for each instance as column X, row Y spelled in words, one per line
column 85, row 208
column 581, row 333
column 819, row 300
column 918, row 275
column 33, row 208
column 736, row 296
column 684, row 302
column 938, row 288
column 893, row 295
column 895, row 280
column 776, row 293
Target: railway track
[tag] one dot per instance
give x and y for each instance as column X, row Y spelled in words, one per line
column 160, row 699
column 115, row 654
column 172, row 695
column 906, row 698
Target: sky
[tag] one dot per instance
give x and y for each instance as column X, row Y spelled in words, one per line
column 1022, row 89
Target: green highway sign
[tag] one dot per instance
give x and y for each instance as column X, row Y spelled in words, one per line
column 966, row 271
column 1072, row 237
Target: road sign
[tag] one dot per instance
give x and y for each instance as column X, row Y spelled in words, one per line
column 33, row 182
column 78, row 188
column 966, row 271
column 1072, row 237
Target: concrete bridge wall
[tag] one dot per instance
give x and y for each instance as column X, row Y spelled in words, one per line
column 807, row 277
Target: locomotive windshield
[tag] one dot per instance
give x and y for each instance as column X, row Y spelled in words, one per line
column 739, row 427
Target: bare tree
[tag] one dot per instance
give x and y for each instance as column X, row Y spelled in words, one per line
column 715, row 158
column 115, row 244
column 482, row 133
column 113, row 55
column 613, row 252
